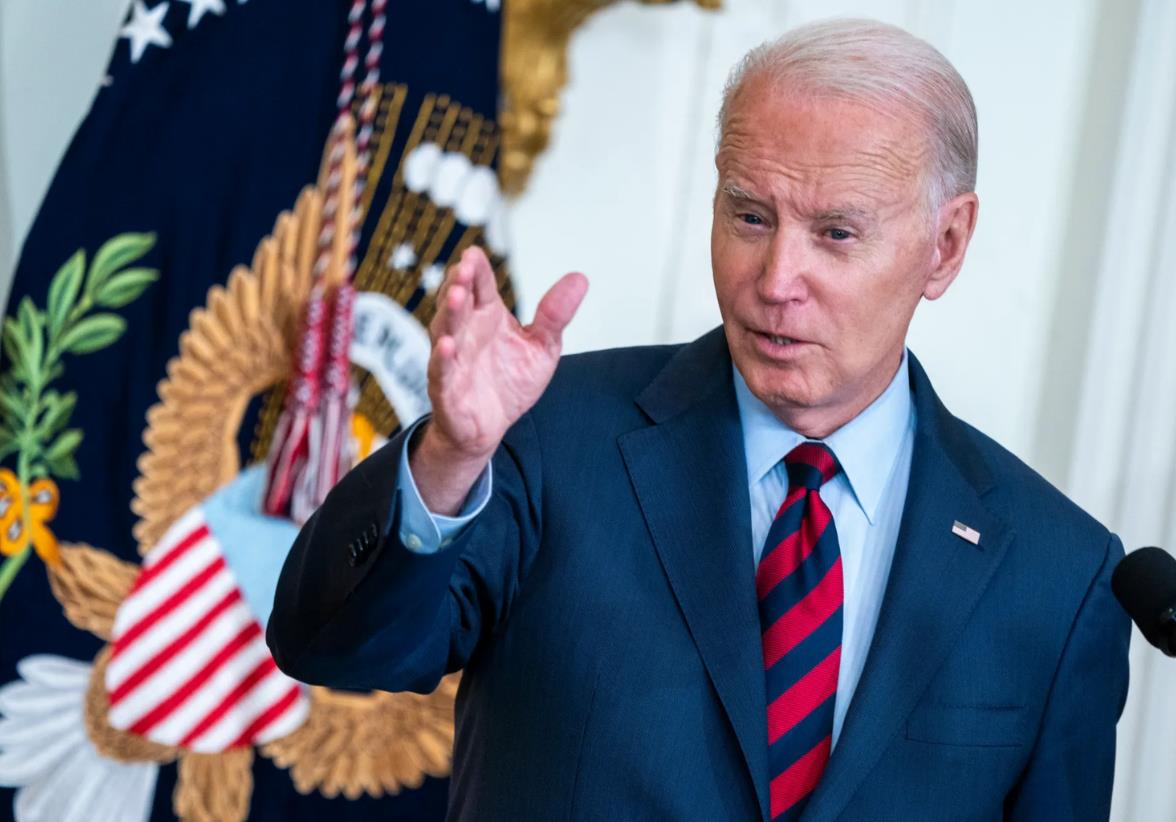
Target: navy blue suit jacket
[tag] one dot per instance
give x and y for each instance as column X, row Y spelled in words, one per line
column 603, row 608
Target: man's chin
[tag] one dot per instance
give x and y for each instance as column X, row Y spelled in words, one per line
column 785, row 391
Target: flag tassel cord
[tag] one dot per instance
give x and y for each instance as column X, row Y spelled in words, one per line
column 312, row 447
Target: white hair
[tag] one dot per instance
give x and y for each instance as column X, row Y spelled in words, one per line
column 882, row 66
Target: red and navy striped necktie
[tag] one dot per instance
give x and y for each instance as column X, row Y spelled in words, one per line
column 800, row 593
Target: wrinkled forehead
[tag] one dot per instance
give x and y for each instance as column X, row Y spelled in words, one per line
column 821, row 144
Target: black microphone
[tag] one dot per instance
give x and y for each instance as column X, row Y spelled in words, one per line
column 1144, row 582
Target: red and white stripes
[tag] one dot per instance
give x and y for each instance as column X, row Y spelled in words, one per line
column 189, row 666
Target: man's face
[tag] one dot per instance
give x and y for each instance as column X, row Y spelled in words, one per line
column 821, row 248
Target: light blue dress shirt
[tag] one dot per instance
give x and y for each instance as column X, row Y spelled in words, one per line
column 866, row 500
column 423, row 531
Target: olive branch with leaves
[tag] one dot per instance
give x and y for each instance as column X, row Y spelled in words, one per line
column 34, row 418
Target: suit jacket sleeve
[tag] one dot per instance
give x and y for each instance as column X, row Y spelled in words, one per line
column 1072, row 767
column 355, row 608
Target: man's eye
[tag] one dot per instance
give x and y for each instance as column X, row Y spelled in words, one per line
column 751, row 219
column 838, row 234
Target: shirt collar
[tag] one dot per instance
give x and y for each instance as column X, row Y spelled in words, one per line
column 866, row 446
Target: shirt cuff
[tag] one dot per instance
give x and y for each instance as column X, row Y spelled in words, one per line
column 422, row 531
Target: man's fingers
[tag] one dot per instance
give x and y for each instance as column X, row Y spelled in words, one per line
column 458, row 305
column 484, row 284
column 558, row 306
column 453, row 310
column 442, row 360
column 460, row 273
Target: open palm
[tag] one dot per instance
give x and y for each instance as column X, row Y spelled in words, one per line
column 486, row 369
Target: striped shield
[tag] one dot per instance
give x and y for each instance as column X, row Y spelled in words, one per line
column 189, row 665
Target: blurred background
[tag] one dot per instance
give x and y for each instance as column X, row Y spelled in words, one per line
column 1058, row 339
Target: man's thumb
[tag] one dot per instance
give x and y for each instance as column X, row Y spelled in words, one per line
column 558, row 306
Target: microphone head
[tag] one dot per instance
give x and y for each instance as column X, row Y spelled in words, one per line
column 1144, row 582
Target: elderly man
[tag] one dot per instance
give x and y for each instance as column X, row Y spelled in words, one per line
column 762, row 575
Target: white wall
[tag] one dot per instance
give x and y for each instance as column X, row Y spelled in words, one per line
column 1057, row 337
column 53, row 54
column 1123, row 466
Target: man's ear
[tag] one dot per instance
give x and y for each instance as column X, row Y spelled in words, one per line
column 954, row 225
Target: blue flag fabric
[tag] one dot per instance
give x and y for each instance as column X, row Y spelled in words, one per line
column 212, row 119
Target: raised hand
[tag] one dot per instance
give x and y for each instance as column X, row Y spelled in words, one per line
column 485, row 371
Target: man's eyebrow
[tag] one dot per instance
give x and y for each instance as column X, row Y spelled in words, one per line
column 846, row 212
column 735, row 192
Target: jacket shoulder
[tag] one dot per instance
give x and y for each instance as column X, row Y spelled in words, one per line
column 1033, row 505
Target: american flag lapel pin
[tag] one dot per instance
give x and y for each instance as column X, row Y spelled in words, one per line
column 965, row 532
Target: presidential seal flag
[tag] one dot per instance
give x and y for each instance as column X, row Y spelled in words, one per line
column 220, row 308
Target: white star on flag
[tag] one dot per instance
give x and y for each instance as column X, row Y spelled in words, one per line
column 202, row 7
column 145, row 28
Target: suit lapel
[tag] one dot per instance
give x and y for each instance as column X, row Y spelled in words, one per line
column 935, row 582
column 690, row 479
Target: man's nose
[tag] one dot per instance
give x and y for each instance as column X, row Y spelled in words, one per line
column 786, row 267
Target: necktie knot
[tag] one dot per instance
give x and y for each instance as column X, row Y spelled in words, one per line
column 810, row 465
